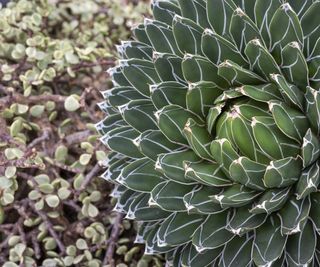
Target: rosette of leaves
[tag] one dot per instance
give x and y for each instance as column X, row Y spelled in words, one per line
column 214, row 126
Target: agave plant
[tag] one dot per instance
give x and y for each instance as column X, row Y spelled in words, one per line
column 214, row 123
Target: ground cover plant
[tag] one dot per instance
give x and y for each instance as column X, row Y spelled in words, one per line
column 54, row 209
column 214, row 125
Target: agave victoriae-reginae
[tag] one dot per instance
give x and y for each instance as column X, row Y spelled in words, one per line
column 214, row 123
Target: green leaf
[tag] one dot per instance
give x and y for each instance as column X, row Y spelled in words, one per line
column 132, row 49
column 198, row 138
column 207, row 173
column 248, row 173
column 269, row 242
column 171, row 122
column 168, row 93
column 263, row 93
column 200, row 97
column 271, row 200
column 139, row 114
column 187, row 35
column 140, row 175
column 172, row 165
column 243, row 221
column 178, row 228
column 290, row 121
column 261, row 61
column 284, row 28
column 164, row 11
column 199, row 201
column 195, row 11
column 140, row 34
column 235, row 196
column 294, row 65
column 314, row 210
column 168, row 67
column 218, row 49
column 282, row 172
column 237, row 252
column 312, row 109
column 152, row 143
column 169, row 196
column 310, row 148
column 301, row 246
column 293, row 215
column 308, row 181
column 237, row 75
column 212, row 233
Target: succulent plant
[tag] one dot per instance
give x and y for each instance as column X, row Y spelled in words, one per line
column 214, row 123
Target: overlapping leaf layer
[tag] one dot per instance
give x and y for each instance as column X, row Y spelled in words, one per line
column 214, row 123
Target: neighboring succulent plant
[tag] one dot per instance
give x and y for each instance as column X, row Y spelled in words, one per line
column 214, row 125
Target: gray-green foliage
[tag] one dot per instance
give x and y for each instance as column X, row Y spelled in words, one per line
column 214, row 126
column 53, row 208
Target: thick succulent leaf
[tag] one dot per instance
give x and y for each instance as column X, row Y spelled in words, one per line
column 152, row 246
column 313, row 109
column 139, row 114
column 294, row 65
column 300, row 7
column 124, row 201
column 218, row 49
column 230, row 94
column 283, row 172
column 178, row 228
column 168, row 93
column 247, row 172
column 261, row 61
column 219, row 14
column 171, row 121
column 161, row 37
column 308, row 181
column 242, row 221
column 169, row 196
column 310, row 26
column 164, row 10
column 271, row 140
column 200, row 97
column 195, row 10
column 109, row 123
column 243, row 29
column 290, row 121
column 191, row 257
column 237, row 75
column 119, row 96
column 140, row 175
column 212, row 233
column 139, row 73
column 223, row 152
column 263, row 93
column 132, row 49
column 114, row 169
column 212, row 117
column 121, row 141
column 207, row 173
column 199, row 201
column 301, row 247
column 187, row 35
column 293, row 215
column 144, row 228
column 140, row 34
column 117, row 77
column 199, row 69
column 264, row 11
column 237, row 252
column 172, row 165
column 291, row 93
column 310, row 148
column 174, row 257
column 314, row 211
column 168, row 67
column 118, row 190
column 284, row 28
column 269, row 243
column 152, row 143
column 313, row 62
column 271, row 200
column 141, row 211
column 235, row 196
column 198, row 138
